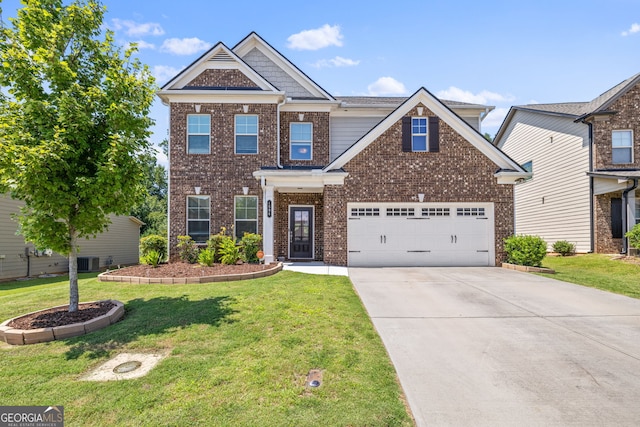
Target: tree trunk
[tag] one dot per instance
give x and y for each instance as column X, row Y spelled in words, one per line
column 74, row 296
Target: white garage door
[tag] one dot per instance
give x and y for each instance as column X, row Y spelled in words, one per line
column 420, row 234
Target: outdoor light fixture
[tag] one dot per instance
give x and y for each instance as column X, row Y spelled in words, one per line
column 245, row 190
column 421, row 197
column 197, row 190
column 245, row 108
column 420, row 110
column 301, row 116
column 197, row 107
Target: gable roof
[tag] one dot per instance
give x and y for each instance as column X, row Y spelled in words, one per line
column 254, row 41
column 219, row 56
column 423, row 96
column 574, row 110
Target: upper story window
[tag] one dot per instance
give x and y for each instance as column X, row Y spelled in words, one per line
column 198, row 218
column 418, row 134
column 301, row 136
column 247, row 134
column 528, row 167
column 622, row 146
column 198, row 133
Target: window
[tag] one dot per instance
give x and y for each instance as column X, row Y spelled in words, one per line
column 470, row 212
column 246, row 134
column 528, row 167
column 419, row 134
column 365, row 211
column 400, row 212
column 198, row 133
column 246, row 212
column 198, row 218
column 301, row 136
column 638, row 210
column 622, row 146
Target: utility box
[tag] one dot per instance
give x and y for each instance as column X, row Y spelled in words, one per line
column 88, row 264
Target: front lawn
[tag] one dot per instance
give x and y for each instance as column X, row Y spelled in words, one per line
column 239, row 353
column 597, row 271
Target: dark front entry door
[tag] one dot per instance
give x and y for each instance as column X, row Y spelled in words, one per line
column 301, row 223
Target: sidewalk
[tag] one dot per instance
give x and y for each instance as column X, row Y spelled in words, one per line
column 315, row 267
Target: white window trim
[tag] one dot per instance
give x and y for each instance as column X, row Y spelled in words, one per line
column 208, row 134
column 291, row 143
column 235, row 219
column 187, row 213
column 257, row 135
column 426, row 135
column 618, row 148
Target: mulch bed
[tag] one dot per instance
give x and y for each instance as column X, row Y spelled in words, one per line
column 52, row 317
column 183, row 269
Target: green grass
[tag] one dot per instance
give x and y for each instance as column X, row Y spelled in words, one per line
column 239, row 353
column 597, row 271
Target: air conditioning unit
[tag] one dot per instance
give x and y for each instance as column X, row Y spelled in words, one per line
column 87, row 264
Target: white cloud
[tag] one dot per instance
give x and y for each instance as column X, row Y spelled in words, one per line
column 484, row 97
column 142, row 45
column 338, row 61
column 386, row 86
column 163, row 73
column 495, row 118
column 316, row 39
column 186, row 46
column 635, row 28
column 136, row 29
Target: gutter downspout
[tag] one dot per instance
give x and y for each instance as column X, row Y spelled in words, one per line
column 625, row 211
column 278, row 164
column 592, row 232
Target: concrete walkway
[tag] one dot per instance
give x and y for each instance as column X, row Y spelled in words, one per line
column 496, row 347
column 315, row 267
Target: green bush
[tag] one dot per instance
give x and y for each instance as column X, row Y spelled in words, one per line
column 250, row 245
column 564, row 248
column 187, row 249
column 634, row 236
column 156, row 243
column 525, row 250
column 206, row 257
column 229, row 251
column 152, row 258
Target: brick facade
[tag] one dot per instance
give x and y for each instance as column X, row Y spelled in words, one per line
column 222, row 78
column 320, row 148
column 604, row 242
column 281, row 228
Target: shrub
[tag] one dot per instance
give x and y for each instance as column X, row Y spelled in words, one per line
column 564, row 248
column 229, row 251
column 152, row 258
column 156, row 243
column 206, row 257
column 634, row 236
column 187, row 249
column 250, row 245
column 525, row 250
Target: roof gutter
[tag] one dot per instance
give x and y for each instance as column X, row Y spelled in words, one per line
column 625, row 211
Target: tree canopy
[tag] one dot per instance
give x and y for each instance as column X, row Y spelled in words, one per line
column 74, row 124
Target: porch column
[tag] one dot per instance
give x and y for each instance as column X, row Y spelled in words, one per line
column 268, row 212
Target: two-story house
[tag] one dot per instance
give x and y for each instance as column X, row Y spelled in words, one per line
column 585, row 159
column 257, row 145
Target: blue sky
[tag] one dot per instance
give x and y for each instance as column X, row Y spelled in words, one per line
column 498, row 53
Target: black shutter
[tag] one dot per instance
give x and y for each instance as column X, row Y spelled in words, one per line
column 406, row 134
column 616, row 218
column 434, row 134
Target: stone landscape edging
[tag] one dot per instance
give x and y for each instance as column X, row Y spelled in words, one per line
column 15, row 336
column 104, row 277
column 528, row 268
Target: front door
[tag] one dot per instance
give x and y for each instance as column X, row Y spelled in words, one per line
column 301, row 232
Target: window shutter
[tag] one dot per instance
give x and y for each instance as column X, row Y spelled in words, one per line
column 434, row 134
column 406, row 134
column 616, row 218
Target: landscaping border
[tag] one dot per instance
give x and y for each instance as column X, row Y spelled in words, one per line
column 527, row 268
column 33, row 336
column 104, row 277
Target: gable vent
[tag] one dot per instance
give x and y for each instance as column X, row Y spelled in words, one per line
column 221, row 56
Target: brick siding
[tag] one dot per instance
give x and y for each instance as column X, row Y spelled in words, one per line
column 604, row 242
column 320, row 148
column 222, row 78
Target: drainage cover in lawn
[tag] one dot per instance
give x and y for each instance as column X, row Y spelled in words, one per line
column 124, row 366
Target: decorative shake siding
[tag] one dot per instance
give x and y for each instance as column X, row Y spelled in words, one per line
column 382, row 172
column 222, row 173
column 555, row 203
column 320, row 148
column 275, row 75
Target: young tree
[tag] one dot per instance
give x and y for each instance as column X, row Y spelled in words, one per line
column 73, row 124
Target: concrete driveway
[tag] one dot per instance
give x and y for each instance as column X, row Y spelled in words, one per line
column 497, row 347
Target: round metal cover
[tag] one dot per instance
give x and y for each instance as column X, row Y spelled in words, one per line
column 125, row 367
column 314, row 383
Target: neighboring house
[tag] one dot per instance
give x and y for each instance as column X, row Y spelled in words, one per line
column 257, row 145
column 585, row 158
column 117, row 246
